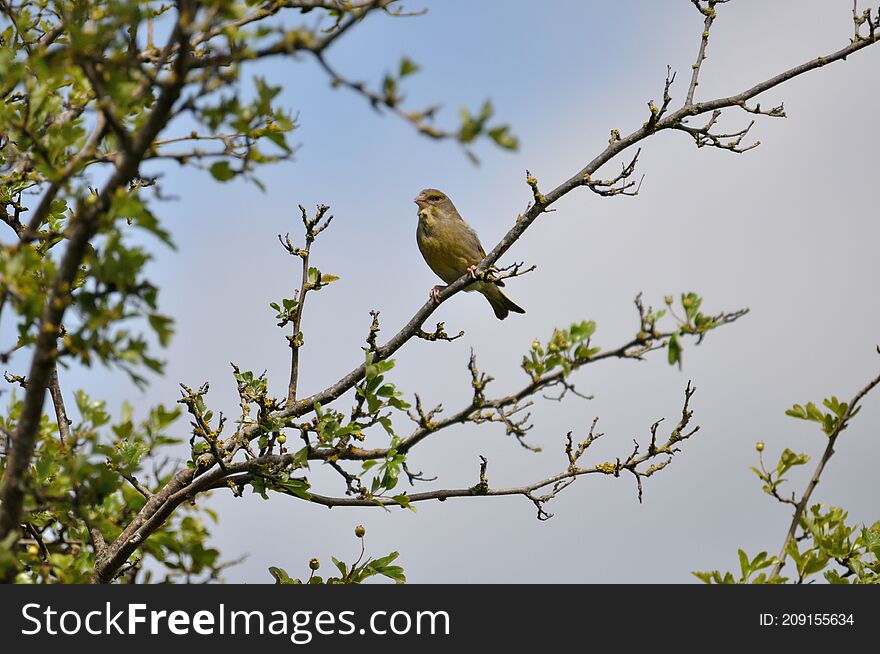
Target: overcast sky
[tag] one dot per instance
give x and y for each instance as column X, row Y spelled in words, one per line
column 789, row 230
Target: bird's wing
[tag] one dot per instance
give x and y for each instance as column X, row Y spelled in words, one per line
column 473, row 240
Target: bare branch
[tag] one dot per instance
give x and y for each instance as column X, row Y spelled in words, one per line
column 439, row 334
column 610, row 188
column 709, row 12
column 58, row 403
column 704, row 136
column 137, row 485
column 313, row 227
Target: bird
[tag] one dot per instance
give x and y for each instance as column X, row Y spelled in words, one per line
column 452, row 248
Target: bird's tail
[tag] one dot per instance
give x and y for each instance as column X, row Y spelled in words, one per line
column 501, row 304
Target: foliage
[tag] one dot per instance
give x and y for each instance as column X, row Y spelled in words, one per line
column 99, row 100
column 85, row 474
column 93, row 87
column 354, row 573
column 824, row 542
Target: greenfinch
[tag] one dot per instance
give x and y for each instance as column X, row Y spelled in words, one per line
column 452, row 248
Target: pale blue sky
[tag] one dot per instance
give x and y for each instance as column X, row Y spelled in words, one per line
column 788, row 230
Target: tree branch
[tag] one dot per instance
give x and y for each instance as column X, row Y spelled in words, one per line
column 82, row 158
column 82, row 229
column 709, row 12
column 544, row 201
column 801, row 504
column 188, row 482
column 244, row 472
column 58, row 403
column 634, row 349
column 313, row 227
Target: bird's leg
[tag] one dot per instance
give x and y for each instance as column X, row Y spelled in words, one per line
column 435, row 293
column 472, row 271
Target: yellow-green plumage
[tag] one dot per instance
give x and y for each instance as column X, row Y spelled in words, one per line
column 450, row 247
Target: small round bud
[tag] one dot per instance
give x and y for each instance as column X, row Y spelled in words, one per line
column 33, row 550
column 314, row 564
column 359, row 531
column 282, row 439
column 759, row 446
column 668, row 299
column 687, row 303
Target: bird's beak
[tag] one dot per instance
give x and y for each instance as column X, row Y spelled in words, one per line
column 420, row 200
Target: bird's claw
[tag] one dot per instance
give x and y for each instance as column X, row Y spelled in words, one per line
column 472, row 271
column 435, row 293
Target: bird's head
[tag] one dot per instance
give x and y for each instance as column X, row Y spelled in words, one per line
column 432, row 198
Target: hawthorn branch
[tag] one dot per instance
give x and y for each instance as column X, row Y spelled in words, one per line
column 293, row 41
column 81, row 159
column 137, row 485
column 705, row 136
column 389, row 102
column 244, row 472
column 634, row 349
column 82, row 229
column 313, row 227
column 185, row 484
column 272, row 8
column 709, row 12
column 614, row 148
column 801, row 505
column 610, row 188
column 188, row 483
column 439, row 334
column 58, row 402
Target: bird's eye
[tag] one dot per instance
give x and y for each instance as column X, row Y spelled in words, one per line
column 434, row 198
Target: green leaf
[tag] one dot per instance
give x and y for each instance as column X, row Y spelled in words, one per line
column 407, row 67
column 705, row 577
column 281, row 576
column 297, row 487
column 382, row 566
column 130, row 453
column 502, row 137
column 343, row 569
column 259, row 487
column 301, row 458
column 797, row 411
column 789, row 459
column 221, row 171
column 163, row 326
column 403, row 500
column 674, row 351
column 744, row 564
